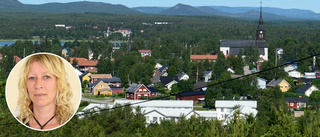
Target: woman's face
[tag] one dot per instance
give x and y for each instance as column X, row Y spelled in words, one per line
column 41, row 85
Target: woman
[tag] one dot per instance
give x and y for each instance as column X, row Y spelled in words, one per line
column 44, row 93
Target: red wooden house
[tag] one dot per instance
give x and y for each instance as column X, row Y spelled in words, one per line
column 196, row 96
column 136, row 91
column 294, row 102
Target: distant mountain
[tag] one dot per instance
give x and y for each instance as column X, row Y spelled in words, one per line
column 295, row 13
column 213, row 11
column 76, row 7
column 181, row 9
column 81, row 7
column 151, row 10
column 10, row 3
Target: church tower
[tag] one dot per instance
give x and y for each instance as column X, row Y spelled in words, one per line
column 261, row 32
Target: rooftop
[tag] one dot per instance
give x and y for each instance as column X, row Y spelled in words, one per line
column 233, row 103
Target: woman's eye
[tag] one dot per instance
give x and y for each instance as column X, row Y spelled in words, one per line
column 31, row 78
column 47, row 77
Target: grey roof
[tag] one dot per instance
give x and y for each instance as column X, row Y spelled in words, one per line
column 206, row 72
column 105, row 89
column 200, row 84
column 111, row 80
column 94, row 84
column 180, row 75
column 303, row 88
column 274, row 82
column 295, row 99
column 167, row 79
column 152, row 90
column 134, row 87
column 236, row 45
column 191, row 93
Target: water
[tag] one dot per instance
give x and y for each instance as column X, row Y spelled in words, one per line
column 2, row 43
column 9, row 43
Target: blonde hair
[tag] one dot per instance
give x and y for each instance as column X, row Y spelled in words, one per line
column 55, row 66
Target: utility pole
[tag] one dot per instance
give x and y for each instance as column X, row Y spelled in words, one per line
column 197, row 74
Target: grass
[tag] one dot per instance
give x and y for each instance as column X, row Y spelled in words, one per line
column 197, row 104
column 87, row 95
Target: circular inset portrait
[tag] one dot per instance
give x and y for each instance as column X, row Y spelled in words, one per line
column 43, row 91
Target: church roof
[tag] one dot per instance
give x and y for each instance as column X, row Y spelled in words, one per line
column 236, row 45
column 243, row 43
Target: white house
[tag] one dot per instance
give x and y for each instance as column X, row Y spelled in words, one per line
column 261, row 83
column 207, row 75
column 168, row 81
column 154, row 115
column 158, row 66
column 309, row 75
column 158, row 110
column 207, row 114
column 289, row 68
column 176, row 104
column 244, row 110
column 183, row 76
column 225, row 107
column 145, row 52
column 294, row 74
column 306, row 89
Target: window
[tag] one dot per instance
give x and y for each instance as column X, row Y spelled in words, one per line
column 101, row 86
column 144, row 90
column 155, row 119
column 145, row 95
column 291, row 104
column 147, row 118
column 131, row 95
column 140, row 90
column 139, row 96
column 128, row 95
column 222, row 109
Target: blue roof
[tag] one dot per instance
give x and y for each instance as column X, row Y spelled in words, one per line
column 191, row 93
column 163, row 67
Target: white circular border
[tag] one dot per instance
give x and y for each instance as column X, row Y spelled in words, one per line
column 74, row 98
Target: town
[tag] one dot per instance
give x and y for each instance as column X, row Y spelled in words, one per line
column 144, row 78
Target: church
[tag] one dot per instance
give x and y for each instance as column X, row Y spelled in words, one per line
column 232, row 47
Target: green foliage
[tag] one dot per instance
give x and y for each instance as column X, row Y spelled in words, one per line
column 84, row 103
column 269, row 72
column 252, row 54
column 315, row 96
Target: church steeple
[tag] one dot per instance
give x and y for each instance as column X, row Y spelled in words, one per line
column 260, row 30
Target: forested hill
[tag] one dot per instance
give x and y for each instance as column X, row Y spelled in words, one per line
column 179, row 9
column 72, row 7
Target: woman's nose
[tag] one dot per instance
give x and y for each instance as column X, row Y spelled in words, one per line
column 38, row 83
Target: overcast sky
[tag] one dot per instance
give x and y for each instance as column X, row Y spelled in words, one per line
column 285, row 4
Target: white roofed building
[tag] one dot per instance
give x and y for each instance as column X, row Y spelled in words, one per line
column 225, row 107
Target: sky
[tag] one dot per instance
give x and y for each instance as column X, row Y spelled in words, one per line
column 284, row 4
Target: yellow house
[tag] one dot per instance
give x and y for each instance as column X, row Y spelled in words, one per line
column 85, row 76
column 282, row 83
column 101, row 88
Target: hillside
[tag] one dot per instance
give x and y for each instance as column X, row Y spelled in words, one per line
column 181, row 9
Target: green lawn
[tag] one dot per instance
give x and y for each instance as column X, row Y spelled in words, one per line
column 87, row 95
